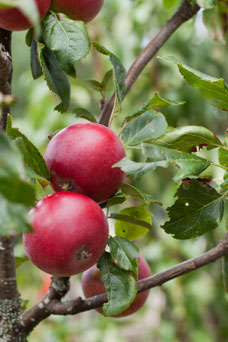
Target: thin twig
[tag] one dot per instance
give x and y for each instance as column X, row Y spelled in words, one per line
column 51, row 305
column 185, row 12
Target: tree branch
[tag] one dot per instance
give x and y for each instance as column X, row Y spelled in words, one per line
column 5, row 71
column 10, row 305
column 52, row 305
column 8, row 285
column 31, row 318
column 185, row 12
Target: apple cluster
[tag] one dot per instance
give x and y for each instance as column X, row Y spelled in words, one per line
column 70, row 230
column 13, row 19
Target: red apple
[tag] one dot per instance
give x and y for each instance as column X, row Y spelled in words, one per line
column 13, row 20
column 80, row 159
column 93, row 286
column 70, row 234
column 84, row 10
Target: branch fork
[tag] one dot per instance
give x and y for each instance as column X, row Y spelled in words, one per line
column 51, row 303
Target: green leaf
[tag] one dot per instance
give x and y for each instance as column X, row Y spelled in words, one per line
column 16, row 196
column 17, row 191
column 119, row 74
column 223, row 153
column 213, row 89
column 198, row 209
column 188, row 164
column 35, row 63
column 131, row 191
column 85, row 114
column 95, row 85
column 32, row 157
column 28, row 8
column 100, row 48
column 187, row 138
column 106, row 79
column 67, row 39
column 117, row 199
column 138, row 169
column 13, row 216
column 225, row 272
column 132, row 222
column 56, row 79
column 115, row 110
column 11, row 162
column 29, row 37
column 147, row 126
column 155, row 102
column 120, row 286
column 125, row 253
column 20, row 260
column 207, row 3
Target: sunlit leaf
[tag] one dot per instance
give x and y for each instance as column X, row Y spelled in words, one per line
column 133, row 222
column 147, row 126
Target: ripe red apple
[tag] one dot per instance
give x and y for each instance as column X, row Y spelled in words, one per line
column 93, row 286
column 70, row 234
column 80, row 159
column 13, row 20
column 84, row 10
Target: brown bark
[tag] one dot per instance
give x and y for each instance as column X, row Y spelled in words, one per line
column 5, row 71
column 10, row 304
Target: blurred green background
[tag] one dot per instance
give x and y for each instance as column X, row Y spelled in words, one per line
column 193, row 307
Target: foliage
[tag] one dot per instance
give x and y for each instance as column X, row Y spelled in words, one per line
column 158, row 135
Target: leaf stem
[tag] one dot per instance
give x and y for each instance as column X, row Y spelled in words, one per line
column 218, row 165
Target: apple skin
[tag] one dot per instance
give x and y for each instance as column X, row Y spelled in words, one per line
column 92, row 285
column 84, row 10
column 80, row 159
column 70, row 232
column 13, row 20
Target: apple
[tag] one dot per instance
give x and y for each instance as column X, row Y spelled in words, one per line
column 80, row 159
column 13, row 20
column 84, row 10
column 70, row 232
column 92, row 285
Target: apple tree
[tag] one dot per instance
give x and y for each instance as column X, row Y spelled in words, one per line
column 91, row 174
